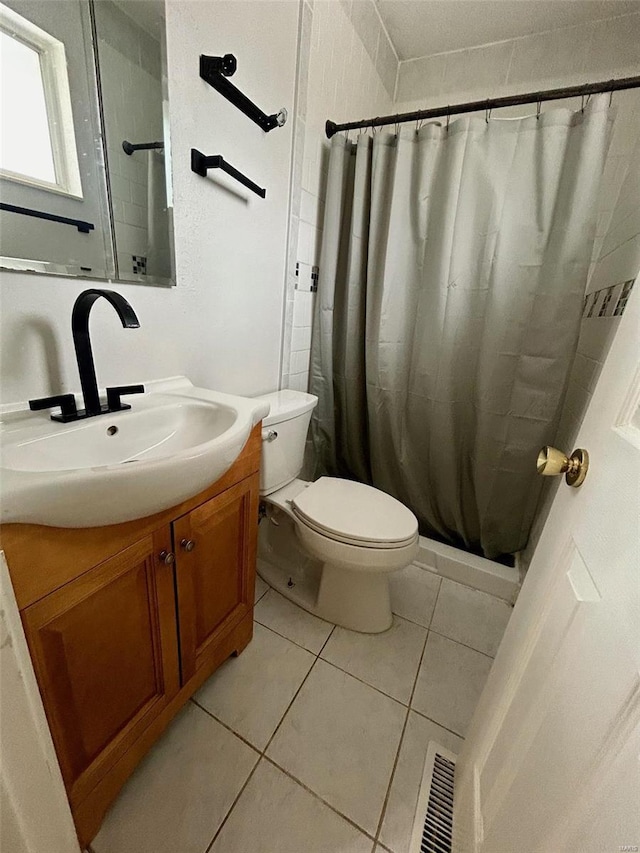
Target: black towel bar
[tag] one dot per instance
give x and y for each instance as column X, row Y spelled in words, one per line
column 215, row 70
column 82, row 226
column 201, row 164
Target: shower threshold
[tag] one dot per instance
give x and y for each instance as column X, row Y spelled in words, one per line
column 470, row 569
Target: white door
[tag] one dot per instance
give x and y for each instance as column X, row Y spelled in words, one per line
column 551, row 762
column 34, row 811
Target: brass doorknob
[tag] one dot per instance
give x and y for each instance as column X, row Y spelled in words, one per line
column 166, row 557
column 187, row 544
column 552, row 462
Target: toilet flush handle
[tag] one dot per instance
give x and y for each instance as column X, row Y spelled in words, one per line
column 269, row 435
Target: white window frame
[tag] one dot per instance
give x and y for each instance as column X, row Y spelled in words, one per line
column 55, row 80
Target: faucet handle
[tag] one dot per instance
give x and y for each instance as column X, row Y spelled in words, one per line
column 67, row 403
column 113, row 396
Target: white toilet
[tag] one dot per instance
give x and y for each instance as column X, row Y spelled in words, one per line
column 350, row 536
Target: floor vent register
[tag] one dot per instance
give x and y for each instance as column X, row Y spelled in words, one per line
column 433, row 822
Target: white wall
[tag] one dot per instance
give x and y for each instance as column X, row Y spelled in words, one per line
column 222, row 324
column 347, row 70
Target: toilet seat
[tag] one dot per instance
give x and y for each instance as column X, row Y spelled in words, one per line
column 355, row 514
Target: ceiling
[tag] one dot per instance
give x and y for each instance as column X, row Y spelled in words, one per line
column 424, row 27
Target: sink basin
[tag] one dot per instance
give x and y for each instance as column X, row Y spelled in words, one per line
column 157, row 432
column 174, row 442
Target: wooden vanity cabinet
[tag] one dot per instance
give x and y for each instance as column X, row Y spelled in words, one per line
column 121, row 636
column 105, row 653
column 215, row 572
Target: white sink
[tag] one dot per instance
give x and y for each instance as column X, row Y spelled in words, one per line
column 174, row 442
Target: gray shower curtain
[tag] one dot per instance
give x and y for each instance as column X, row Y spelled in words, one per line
column 452, row 274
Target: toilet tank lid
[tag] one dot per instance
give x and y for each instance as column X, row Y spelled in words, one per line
column 287, row 404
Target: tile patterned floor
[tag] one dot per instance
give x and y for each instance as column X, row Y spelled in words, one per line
column 313, row 740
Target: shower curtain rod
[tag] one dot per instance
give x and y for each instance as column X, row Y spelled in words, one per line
column 489, row 104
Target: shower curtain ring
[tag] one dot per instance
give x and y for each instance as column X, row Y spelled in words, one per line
column 448, row 117
column 582, row 104
column 610, row 97
column 538, row 108
column 487, row 113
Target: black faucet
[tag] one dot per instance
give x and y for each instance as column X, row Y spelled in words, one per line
column 86, row 368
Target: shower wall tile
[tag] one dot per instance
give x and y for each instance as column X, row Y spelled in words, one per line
column 346, row 68
column 585, row 371
column 366, row 23
column 299, row 381
column 422, row 75
column 302, row 309
column 485, row 68
column 300, row 361
column 311, row 209
column 564, row 57
column 616, row 40
column 301, row 338
column 619, row 233
column 618, row 265
column 545, row 56
column 595, row 339
column 387, row 63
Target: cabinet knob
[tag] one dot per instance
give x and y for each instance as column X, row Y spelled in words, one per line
column 167, row 558
column 187, row 544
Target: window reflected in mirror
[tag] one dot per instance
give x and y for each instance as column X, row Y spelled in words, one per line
column 38, row 141
column 54, row 214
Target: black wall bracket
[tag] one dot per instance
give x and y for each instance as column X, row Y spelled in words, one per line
column 215, row 70
column 201, row 165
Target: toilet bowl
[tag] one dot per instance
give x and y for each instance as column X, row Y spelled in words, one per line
column 356, row 534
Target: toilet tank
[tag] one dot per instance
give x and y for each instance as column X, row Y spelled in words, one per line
column 284, row 433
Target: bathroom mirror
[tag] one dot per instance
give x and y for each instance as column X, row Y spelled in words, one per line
column 85, row 164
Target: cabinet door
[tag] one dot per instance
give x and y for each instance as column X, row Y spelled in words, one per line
column 215, row 580
column 104, row 649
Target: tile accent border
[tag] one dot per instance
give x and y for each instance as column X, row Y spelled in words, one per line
column 608, row 301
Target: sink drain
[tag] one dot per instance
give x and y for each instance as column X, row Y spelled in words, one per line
column 112, row 430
